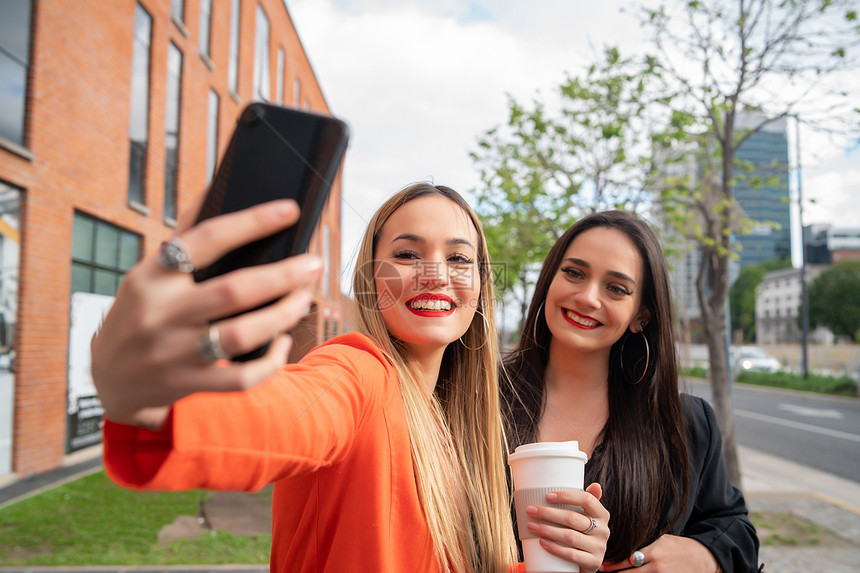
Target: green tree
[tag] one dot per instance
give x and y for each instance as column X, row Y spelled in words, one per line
column 834, row 299
column 543, row 169
column 713, row 60
column 743, row 293
column 719, row 59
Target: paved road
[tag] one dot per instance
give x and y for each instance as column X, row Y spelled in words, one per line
column 820, row 432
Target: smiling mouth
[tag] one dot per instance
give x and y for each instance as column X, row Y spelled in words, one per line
column 431, row 304
column 579, row 320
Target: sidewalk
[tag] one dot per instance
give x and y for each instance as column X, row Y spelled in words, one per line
column 770, row 485
column 775, row 485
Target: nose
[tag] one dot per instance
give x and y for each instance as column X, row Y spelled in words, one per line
column 432, row 274
column 589, row 295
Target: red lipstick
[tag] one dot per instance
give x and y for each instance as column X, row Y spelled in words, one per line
column 428, row 297
column 583, row 317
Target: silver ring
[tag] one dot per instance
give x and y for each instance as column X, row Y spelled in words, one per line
column 591, row 527
column 173, row 256
column 637, row 559
column 209, row 347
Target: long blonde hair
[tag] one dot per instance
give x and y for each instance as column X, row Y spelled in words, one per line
column 458, row 445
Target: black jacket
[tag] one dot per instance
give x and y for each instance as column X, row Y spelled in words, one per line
column 716, row 514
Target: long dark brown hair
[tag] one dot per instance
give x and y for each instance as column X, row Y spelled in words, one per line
column 641, row 459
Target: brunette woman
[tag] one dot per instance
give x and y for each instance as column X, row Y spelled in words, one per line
column 596, row 363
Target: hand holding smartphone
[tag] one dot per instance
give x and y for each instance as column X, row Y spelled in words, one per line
column 274, row 153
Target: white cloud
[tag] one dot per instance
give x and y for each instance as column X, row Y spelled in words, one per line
column 420, row 81
column 834, row 186
column 418, row 86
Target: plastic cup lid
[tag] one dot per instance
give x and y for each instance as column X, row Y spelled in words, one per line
column 541, row 449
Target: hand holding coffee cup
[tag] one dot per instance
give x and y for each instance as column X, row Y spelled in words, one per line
column 556, row 469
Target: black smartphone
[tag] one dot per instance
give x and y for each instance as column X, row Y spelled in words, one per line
column 274, row 153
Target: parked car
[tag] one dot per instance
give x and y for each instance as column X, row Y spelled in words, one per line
column 755, row 359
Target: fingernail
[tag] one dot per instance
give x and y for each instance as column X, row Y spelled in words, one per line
column 551, row 496
column 285, row 207
column 531, row 510
column 305, row 300
column 533, row 526
column 313, row 264
column 284, row 344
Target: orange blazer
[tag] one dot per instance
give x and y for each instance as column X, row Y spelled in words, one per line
column 330, row 432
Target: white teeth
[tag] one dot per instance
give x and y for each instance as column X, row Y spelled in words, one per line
column 430, row 304
column 580, row 320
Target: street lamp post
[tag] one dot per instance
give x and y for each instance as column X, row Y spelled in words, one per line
column 804, row 300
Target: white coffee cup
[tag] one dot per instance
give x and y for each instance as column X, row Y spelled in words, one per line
column 538, row 469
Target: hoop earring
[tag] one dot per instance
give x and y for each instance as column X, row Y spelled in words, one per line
column 486, row 329
column 647, row 356
column 537, row 317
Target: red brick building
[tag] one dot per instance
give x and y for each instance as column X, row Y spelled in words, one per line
column 112, row 116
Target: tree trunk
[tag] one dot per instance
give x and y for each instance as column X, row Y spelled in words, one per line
column 524, row 306
column 721, row 397
column 715, row 268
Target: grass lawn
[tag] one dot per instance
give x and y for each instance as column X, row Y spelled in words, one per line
column 92, row 521
column 838, row 385
column 787, row 530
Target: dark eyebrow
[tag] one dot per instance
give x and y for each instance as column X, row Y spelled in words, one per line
column 585, row 264
column 416, row 239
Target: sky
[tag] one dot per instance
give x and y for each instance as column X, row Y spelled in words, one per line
column 419, row 81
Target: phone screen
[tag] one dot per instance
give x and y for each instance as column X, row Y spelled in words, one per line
column 274, row 153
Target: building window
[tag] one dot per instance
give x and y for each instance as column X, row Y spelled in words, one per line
column 14, row 67
column 205, row 25
column 262, row 81
column 233, row 62
column 10, row 248
column 171, row 125
column 326, row 248
column 212, row 136
column 279, row 96
column 177, row 10
column 101, row 255
column 297, row 93
column 139, row 117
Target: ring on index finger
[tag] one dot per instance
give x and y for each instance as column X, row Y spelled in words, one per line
column 591, row 527
column 637, row 559
column 173, row 256
column 209, row 347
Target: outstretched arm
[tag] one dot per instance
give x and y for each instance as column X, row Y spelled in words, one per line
column 145, row 357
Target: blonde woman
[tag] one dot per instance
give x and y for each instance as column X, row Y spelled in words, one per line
column 385, row 445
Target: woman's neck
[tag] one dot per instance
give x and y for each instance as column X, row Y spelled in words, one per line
column 574, row 373
column 429, row 362
column 577, row 397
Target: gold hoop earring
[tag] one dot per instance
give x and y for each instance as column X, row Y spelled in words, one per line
column 537, row 317
column 647, row 355
column 486, row 330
